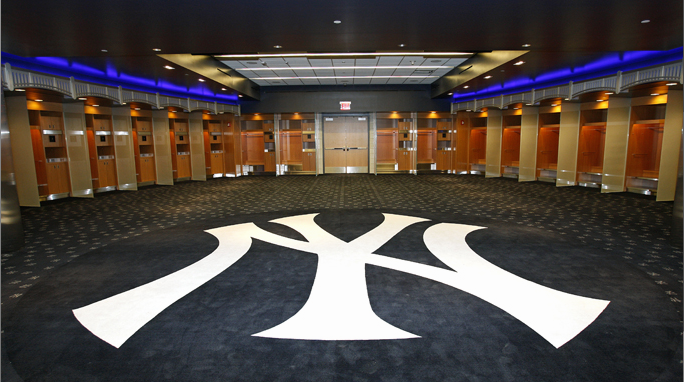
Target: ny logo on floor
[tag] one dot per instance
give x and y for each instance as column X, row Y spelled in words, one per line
column 338, row 307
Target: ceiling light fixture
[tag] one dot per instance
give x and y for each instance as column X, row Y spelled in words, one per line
column 356, row 54
column 337, row 22
column 554, row 104
column 466, row 87
column 645, row 21
column 335, row 77
column 168, row 67
column 487, row 77
column 526, row 45
column 104, row 51
column 224, row 89
column 671, row 84
column 19, row 90
column 450, row 93
column 600, row 100
column 82, row 98
column 201, row 80
column 137, row 108
column 519, row 63
column 609, row 93
column 38, row 100
column 240, row 95
column 96, row 105
column 277, row 46
column 401, row 45
column 655, row 94
column 156, row 50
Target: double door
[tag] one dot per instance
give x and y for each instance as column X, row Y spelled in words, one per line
column 345, row 144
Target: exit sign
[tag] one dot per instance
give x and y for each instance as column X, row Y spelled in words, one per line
column 345, row 105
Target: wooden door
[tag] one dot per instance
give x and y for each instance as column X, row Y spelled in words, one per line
column 404, row 160
column 216, row 163
column 427, row 145
column 309, row 161
column 147, row 173
column 184, row 169
column 57, row 177
column 269, row 161
column 443, row 160
column 345, row 144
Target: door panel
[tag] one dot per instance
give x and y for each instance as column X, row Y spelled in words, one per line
column 345, row 141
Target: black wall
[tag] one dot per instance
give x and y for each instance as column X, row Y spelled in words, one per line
column 326, row 99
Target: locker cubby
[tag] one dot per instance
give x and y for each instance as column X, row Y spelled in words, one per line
column 644, row 148
column 296, row 143
column 50, row 153
column 547, row 146
column 591, row 147
column 213, row 146
column 143, row 150
column 181, row 162
column 433, row 143
column 510, row 146
column 395, row 142
column 101, row 151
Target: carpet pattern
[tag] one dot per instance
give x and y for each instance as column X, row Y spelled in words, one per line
column 633, row 228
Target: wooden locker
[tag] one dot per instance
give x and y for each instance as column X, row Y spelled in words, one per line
column 269, row 162
column 57, row 177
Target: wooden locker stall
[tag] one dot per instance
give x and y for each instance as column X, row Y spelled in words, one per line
column 49, row 147
column 258, row 143
column 510, row 142
column 395, row 140
column 296, row 143
column 179, row 136
column 529, row 126
column 471, row 142
column 547, row 140
column 591, row 142
column 143, row 145
column 232, row 145
column 214, row 152
column 124, row 150
column 645, row 144
column 101, row 146
column 433, row 142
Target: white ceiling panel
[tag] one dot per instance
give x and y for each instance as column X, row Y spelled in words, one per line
column 330, row 81
column 404, row 72
column 324, row 72
column 379, row 81
column 343, row 62
column 293, row 82
column 435, row 61
column 266, row 73
column 389, row 60
column 326, row 62
column 412, row 61
column 395, row 81
column 305, row 73
column 311, row 82
column 285, row 73
column 297, row 61
column 367, row 61
column 455, row 61
column 345, row 81
column 364, row 72
column 362, row 81
column 251, row 64
column 383, row 72
column 413, row 81
column 344, row 72
column 273, row 60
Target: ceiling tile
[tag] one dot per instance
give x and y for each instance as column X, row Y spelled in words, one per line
column 325, row 62
column 389, row 60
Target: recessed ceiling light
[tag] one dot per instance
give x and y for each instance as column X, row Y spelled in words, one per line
column 174, row 111
column 468, row 110
column 240, row 95
column 224, row 89
column 668, row 84
column 600, row 100
column 487, row 77
column 519, row 63
column 401, row 45
column 526, row 45
column 19, row 90
column 337, row 22
column 201, row 80
column 516, row 108
column 105, row 50
column 655, row 94
column 609, row 93
column 82, row 98
column 277, row 46
column 466, row 87
column 450, row 93
column 554, row 104
column 645, row 21
column 156, row 50
column 38, row 100
column 96, row 105
column 137, row 108
column 168, row 67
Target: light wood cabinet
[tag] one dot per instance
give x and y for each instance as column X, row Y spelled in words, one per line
column 309, row 161
column 269, row 162
column 216, row 163
column 147, row 171
column 106, row 172
column 443, row 159
column 57, row 177
column 184, row 169
column 404, row 160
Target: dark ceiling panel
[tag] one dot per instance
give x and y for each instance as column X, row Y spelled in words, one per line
column 562, row 33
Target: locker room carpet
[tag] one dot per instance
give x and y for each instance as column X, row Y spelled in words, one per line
column 609, row 247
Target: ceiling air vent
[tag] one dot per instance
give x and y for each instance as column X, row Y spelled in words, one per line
column 252, row 62
column 423, row 72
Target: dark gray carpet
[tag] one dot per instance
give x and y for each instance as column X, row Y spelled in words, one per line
column 612, row 247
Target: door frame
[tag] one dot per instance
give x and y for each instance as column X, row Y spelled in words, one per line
column 333, row 115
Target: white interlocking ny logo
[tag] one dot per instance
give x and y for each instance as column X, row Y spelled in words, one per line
column 338, row 307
